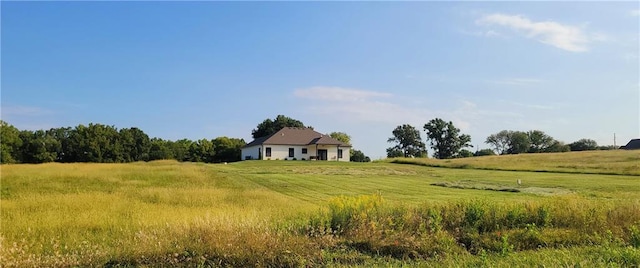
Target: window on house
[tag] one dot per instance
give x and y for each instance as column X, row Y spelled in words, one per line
column 291, row 152
column 304, row 150
column 339, row 153
column 267, row 152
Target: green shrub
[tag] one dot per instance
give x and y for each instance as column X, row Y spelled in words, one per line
column 634, row 235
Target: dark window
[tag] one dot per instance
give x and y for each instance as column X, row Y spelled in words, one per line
column 339, row 153
column 291, row 153
column 304, row 150
column 267, row 152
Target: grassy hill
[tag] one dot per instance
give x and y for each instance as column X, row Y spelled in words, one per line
column 308, row 213
column 616, row 162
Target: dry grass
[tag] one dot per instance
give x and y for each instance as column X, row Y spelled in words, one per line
column 167, row 213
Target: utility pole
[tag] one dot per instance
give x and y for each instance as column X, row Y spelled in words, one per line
column 614, row 140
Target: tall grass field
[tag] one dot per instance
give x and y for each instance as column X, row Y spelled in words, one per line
column 570, row 209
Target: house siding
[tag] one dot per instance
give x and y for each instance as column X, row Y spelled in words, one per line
column 332, row 152
column 251, row 152
column 281, row 152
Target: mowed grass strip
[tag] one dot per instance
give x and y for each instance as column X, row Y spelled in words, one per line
column 612, row 162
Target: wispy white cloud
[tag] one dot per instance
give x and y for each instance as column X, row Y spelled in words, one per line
column 517, row 81
column 358, row 105
column 635, row 12
column 13, row 110
column 533, row 106
column 392, row 110
column 487, row 33
column 567, row 37
column 338, row 94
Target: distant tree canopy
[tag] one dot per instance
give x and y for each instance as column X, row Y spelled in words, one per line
column 10, row 142
column 407, row 142
column 358, row 156
column 446, row 140
column 517, row 142
column 484, row 152
column 341, row 136
column 106, row 144
column 583, row 145
column 268, row 126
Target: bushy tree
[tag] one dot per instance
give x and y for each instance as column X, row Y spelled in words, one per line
column 202, row 150
column 268, row 126
column 180, row 149
column 557, row 147
column 484, row 152
column 38, row 147
column 518, row 142
column 10, row 143
column 445, row 138
column 341, row 136
column 500, row 141
column 160, row 149
column 539, row 141
column 227, row 149
column 358, row 156
column 464, row 153
column 136, row 144
column 408, row 142
column 583, row 145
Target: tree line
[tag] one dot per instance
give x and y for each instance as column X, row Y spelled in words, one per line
column 100, row 143
column 447, row 142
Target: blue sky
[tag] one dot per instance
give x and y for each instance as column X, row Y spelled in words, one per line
column 207, row 69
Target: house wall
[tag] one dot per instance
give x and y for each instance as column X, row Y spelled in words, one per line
column 332, row 152
column 251, row 152
column 281, row 152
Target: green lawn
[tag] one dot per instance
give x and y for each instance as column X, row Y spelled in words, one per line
column 142, row 214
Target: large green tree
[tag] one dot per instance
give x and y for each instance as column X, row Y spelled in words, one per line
column 445, row 138
column 518, row 142
column 10, row 143
column 202, row 151
column 539, row 141
column 227, row 149
column 135, row 143
column 407, row 142
column 38, row 147
column 500, row 141
column 160, row 149
column 268, row 126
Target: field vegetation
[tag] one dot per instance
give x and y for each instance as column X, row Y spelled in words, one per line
column 307, row 213
column 616, row 162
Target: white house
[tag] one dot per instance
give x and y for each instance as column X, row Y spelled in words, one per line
column 297, row 143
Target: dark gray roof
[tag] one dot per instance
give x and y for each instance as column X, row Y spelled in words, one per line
column 633, row 144
column 297, row 136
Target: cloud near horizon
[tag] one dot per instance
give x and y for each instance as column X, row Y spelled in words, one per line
column 338, row 94
column 359, row 106
column 562, row 36
column 517, row 81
